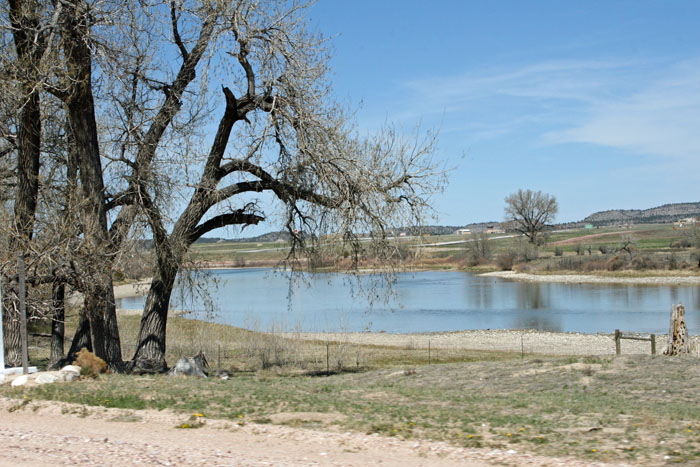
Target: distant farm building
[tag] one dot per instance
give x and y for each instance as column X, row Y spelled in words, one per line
column 687, row 221
column 464, row 231
column 588, row 226
column 492, row 229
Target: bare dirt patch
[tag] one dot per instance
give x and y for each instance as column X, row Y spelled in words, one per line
column 44, row 433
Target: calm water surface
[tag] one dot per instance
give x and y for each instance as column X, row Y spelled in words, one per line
column 437, row 301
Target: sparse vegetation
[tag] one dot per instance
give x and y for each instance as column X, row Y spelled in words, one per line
column 600, row 408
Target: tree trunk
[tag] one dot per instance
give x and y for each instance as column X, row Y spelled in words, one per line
column 23, row 16
column 82, row 338
column 58, row 323
column 150, row 353
column 11, row 325
column 678, row 342
column 99, row 295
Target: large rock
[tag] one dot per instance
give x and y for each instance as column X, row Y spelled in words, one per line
column 69, row 373
column 20, row 380
column 46, row 378
column 191, row 366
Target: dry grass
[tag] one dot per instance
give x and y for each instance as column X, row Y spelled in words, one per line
column 638, row 410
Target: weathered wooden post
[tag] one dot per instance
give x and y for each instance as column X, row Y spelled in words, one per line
column 617, row 342
column 653, row 343
column 677, row 332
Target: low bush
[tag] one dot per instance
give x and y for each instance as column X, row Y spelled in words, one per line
column 682, row 243
column 616, row 263
column 571, row 263
column 672, row 262
column 90, row 364
column 594, row 264
column 641, row 262
column 505, row 261
column 558, row 251
column 527, row 252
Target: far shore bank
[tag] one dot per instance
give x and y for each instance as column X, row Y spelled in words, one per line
column 132, row 289
column 595, row 279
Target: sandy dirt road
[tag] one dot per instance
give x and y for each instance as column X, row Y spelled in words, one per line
column 47, row 434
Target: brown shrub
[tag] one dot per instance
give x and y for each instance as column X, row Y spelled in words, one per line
column 616, row 263
column 642, row 262
column 505, row 261
column 594, row 264
column 90, row 364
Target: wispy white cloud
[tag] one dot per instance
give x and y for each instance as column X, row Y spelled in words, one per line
column 650, row 108
column 662, row 119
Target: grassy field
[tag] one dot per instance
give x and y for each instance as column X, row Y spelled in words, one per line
column 641, row 410
column 596, row 250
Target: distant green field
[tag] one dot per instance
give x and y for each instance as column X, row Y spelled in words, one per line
column 451, row 251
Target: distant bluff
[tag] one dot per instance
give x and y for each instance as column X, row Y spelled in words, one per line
column 666, row 213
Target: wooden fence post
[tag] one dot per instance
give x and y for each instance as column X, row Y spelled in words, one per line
column 653, row 344
column 617, row 342
column 678, row 332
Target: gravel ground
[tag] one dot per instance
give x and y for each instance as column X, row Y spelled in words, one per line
column 44, row 433
column 528, row 341
column 592, row 279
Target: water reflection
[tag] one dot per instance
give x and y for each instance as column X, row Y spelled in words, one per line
column 541, row 321
column 444, row 301
column 532, row 296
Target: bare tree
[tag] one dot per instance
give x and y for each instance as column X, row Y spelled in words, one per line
column 280, row 133
column 29, row 45
column 530, row 212
column 136, row 83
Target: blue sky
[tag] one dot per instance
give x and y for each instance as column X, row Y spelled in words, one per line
column 595, row 102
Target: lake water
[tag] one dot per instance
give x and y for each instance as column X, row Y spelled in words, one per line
column 436, row 301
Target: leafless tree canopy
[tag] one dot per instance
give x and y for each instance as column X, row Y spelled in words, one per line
column 118, row 99
column 530, row 211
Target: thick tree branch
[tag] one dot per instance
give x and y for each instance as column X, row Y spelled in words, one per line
column 237, row 217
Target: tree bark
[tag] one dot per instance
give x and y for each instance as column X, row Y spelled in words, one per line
column 82, row 338
column 58, row 323
column 678, row 342
column 24, row 20
column 11, row 325
column 150, row 353
column 99, row 295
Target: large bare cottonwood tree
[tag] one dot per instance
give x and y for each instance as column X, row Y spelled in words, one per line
column 139, row 83
column 281, row 133
column 529, row 212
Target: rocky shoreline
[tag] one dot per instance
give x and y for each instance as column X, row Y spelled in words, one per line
column 526, row 341
column 593, row 279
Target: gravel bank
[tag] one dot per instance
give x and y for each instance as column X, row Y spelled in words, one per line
column 591, row 279
column 531, row 342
